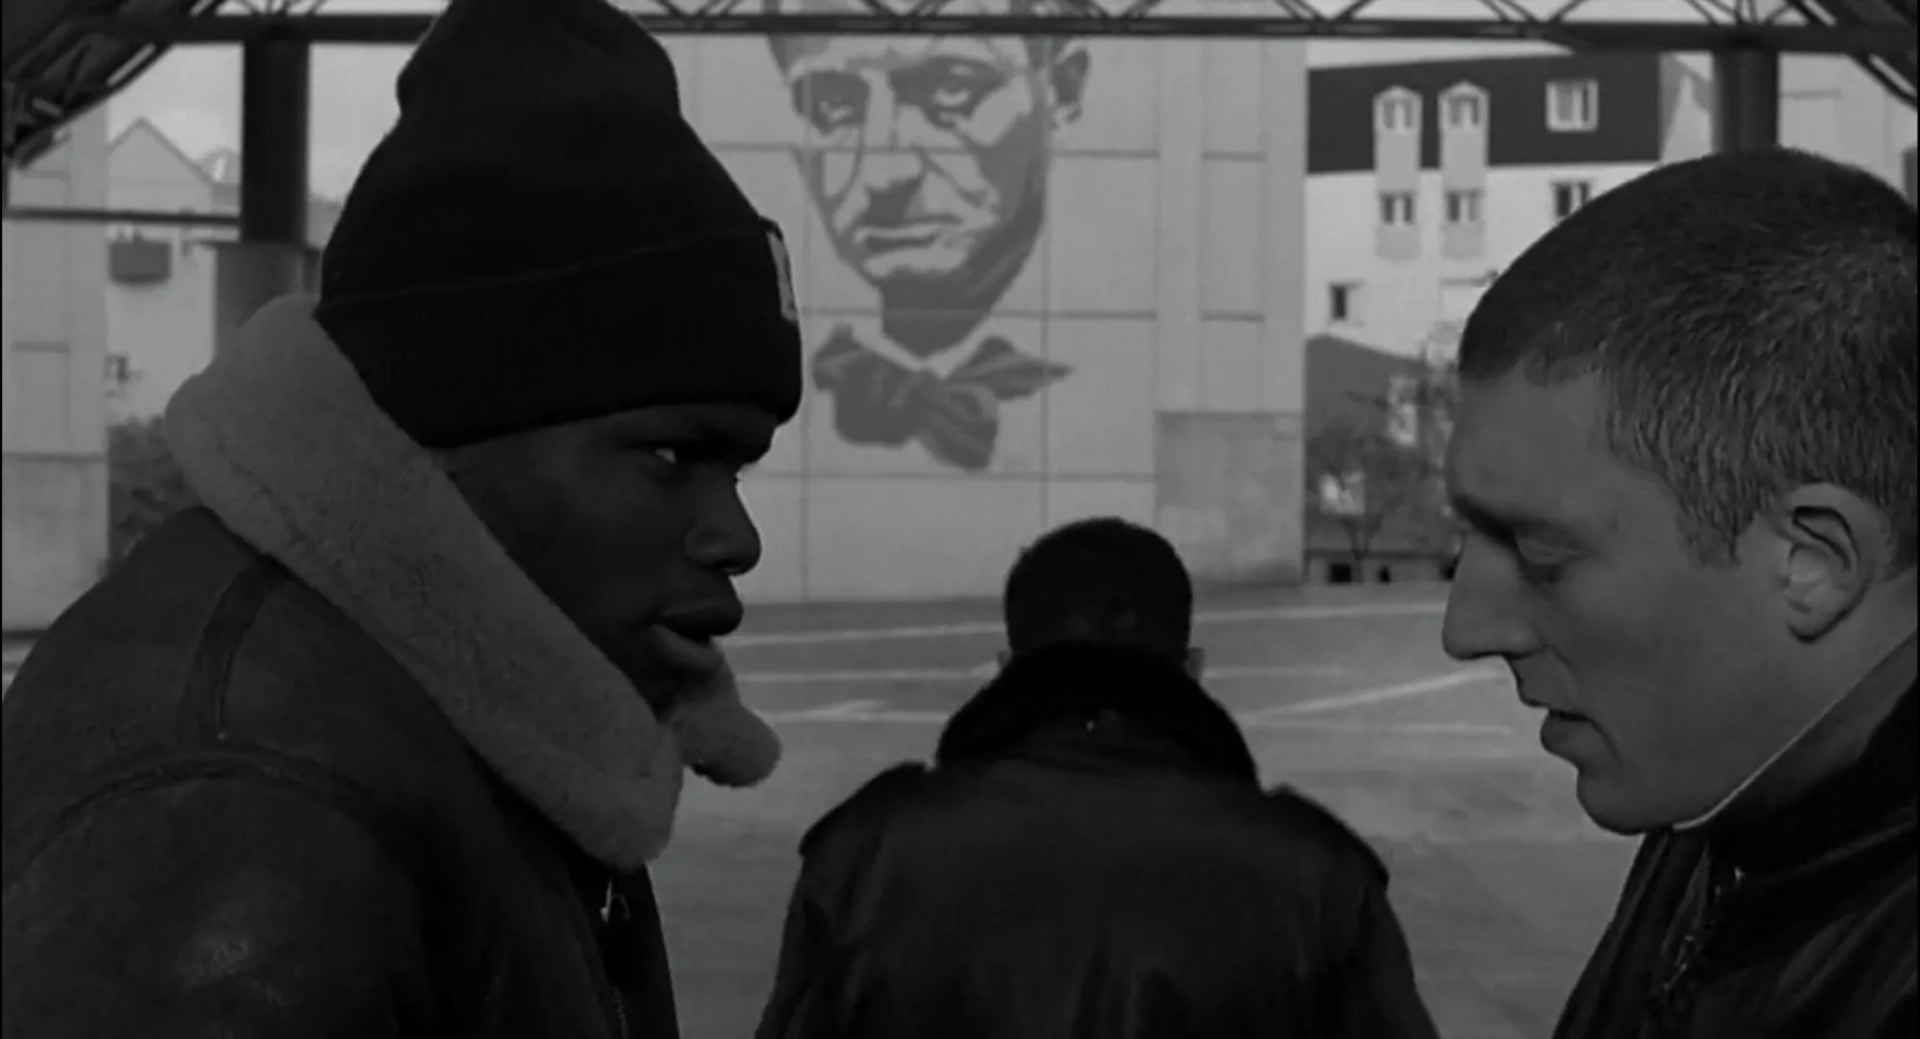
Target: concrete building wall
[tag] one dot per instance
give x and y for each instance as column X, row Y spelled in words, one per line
column 1098, row 245
column 159, row 332
column 1830, row 106
column 53, row 328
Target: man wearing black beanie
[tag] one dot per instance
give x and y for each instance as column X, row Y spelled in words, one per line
column 380, row 740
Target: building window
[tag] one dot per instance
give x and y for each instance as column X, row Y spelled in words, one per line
column 1569, row 195
column 119, row 373
column 1463, row 207
column 1397, row 111
column 1573, row 105
column 1343, row 301
column 1464, row 107
column 1396, row 208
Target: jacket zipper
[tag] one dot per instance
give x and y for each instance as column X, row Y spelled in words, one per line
column 615, row 905
column 1674, row 996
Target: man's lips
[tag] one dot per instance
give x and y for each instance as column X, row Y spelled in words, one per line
column 684, row 637
column 901, row 236
column 704, row 622
column 692, row 656
column 1556, row 714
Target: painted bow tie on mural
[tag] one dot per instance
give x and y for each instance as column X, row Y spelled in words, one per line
column 879, row 401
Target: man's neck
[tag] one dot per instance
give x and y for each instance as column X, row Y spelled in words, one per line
column 1862, row 685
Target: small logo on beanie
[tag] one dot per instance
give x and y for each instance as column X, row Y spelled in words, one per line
column 783, row 274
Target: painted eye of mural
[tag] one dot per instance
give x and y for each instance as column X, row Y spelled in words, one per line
column 832, row 100
column 952, row 88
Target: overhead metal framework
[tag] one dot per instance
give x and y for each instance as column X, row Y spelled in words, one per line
column 1782, row 25
column 63, row 56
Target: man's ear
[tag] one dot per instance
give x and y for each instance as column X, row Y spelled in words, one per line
column 1002, row 657
column 1196, row 662
column 1067, row 79
column 1833, row 548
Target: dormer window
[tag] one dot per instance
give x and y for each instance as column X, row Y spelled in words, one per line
column 1397, row 110
column 1573, row 105
column 1464, row 107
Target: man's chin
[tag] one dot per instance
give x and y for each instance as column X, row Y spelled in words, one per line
column 1612, row 809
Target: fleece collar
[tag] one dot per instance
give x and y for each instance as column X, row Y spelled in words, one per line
column 1084, row 681
column 279, row 437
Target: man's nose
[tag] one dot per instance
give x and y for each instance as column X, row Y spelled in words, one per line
column 891, row 170
column 724, row 537
column 1482, row 619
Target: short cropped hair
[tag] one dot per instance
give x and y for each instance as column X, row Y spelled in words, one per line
column 1101, row 580
column 1751, row 316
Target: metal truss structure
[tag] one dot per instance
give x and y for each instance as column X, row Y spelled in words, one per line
column 64, row 56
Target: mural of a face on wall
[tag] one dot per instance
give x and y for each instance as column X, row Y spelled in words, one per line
column 927, row 158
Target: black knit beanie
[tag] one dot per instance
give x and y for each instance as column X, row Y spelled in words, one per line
column 542, row 238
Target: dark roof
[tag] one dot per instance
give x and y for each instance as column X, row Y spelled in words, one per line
column 54, row 70
column 1631, row 124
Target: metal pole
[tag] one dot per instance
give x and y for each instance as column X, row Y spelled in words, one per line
column 1746, row 89
column 274, row 113
column 270, row 259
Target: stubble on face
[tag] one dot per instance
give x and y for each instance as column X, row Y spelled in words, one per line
column 1578, row 573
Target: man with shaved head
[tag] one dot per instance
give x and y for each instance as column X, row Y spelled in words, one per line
column 1685, row 450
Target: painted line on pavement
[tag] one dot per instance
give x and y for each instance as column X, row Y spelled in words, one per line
column 936, row 631
column 868, row 712
column 1381, row 694
column 987, row 670
column 1379, row 728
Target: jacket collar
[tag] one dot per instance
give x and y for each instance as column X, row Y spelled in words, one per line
column 1846, row 784
column 1071, row 681
column 280, row 439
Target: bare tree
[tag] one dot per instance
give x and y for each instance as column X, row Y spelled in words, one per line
column 1384, row 468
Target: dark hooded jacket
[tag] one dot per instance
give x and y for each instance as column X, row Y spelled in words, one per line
column 319, row 762
column 1792, row 913
column 1090, row 857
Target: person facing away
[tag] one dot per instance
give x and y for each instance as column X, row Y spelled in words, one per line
column 1685, row 450
column 380, row 741
column 1090, row 855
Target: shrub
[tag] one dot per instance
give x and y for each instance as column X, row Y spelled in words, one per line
column 144, row 484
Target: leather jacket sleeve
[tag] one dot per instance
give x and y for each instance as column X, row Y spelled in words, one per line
column 1374, row 995
column 803, row 950
column 231, row 906
column 1903, row 1022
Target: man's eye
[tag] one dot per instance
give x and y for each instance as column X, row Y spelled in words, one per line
column 831, row 100
column 1541, row 565
column 955, row 97
column 671, row 457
